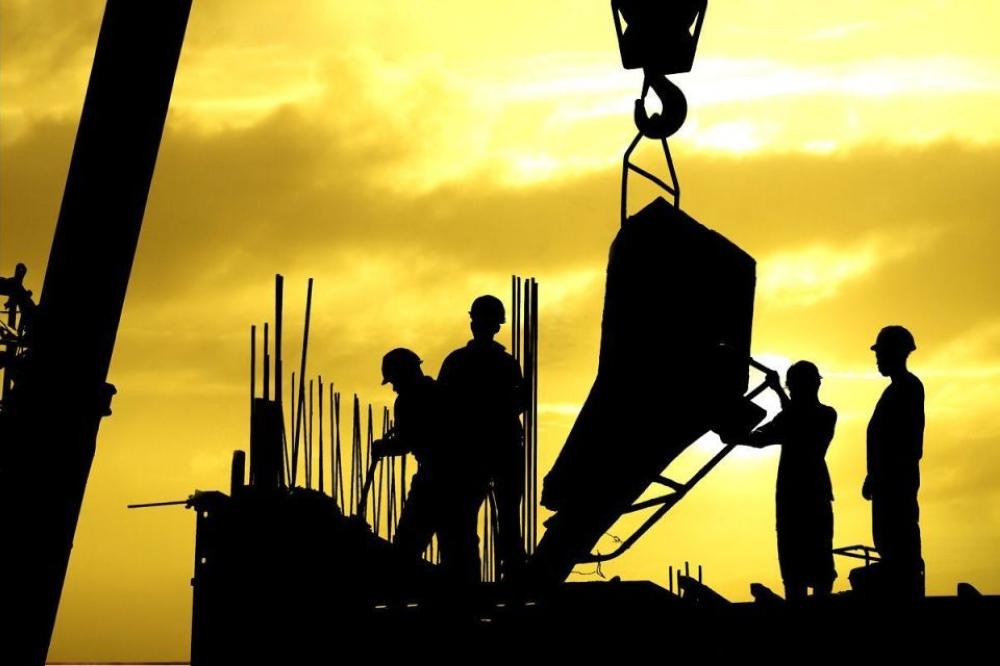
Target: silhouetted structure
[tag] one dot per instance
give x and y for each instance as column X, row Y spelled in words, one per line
column 488, row 390
column 895, row 446
column 88, row 272
column 803, row 496
column 282, row 573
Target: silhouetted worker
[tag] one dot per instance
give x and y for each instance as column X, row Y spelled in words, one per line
column 441, row 499
column 895, row 446
column 804, row 429
column 487, row 386
column 13, row 288
column 18, row 298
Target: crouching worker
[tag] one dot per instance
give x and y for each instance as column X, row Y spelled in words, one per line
column 443, row 497
column 804, row 429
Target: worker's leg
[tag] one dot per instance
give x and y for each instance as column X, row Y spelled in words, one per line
column 458, row 536
column 821, row 569
column 896, row 529
column 508, row 487
column 792, row 532
column 416, row 522
column 907, row 556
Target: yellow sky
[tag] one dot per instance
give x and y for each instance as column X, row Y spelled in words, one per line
column 410, row 155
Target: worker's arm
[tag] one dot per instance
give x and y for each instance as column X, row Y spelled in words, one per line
column 773, row 380
column 390, row 446
column 769, row 434
column 912, row 421
column 772, row 432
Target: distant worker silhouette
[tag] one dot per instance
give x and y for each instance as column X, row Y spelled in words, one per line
column 489, row 390
column 18, row 296
column 895, row 446
column 441, row 499
column 803, row 511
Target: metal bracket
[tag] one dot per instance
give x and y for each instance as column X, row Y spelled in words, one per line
column 674, row 188
column 859, row 552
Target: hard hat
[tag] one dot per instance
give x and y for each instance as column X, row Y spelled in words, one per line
column 488, row 307
column 398, row 360
column 802, row 370
column 894, row 338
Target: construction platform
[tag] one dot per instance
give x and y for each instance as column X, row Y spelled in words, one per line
column 283, row 577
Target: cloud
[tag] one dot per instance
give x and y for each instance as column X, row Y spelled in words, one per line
column 802, row 277
column 838, row 31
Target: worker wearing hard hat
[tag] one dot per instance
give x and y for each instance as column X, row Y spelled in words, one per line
column 439, row 500
column 895, row 446
column 803, row 497
column 486, row 384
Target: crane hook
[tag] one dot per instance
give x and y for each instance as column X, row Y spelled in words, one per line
column 664, row 124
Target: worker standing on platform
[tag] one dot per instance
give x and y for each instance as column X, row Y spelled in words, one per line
column 804, row 494
column 486, row 385
column 895, row 446
column 442, row 500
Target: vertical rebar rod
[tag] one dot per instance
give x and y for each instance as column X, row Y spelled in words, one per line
column 253, row 367
column 534, row 418
column 379, row 482
column 302, row 381
column 320, row 443
column 339, row 475
column 513, row 309
column 279, row 395
column 279, row 288
column 354, row 456
column 402, row 484
column 486, row 546
column 527, row 365
column 291, row 418
column 267, row 366
column 357, row 477
column 382, row 477
column 391, row 504
column 335, row 480
column 308, row 439
column 528, row 352
column 369, row 439
column 519, row 344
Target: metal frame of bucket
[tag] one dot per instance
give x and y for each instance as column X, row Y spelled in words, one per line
column 680, row 490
